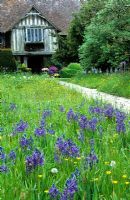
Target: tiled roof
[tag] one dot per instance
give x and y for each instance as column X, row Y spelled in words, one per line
column 59, row 12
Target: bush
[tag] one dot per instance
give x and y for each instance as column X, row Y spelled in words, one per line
column 7, row 61
column 22, row 67
column 72, row 70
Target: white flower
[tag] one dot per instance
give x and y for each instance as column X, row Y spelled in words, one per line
column 54, row 170
column 112, row 163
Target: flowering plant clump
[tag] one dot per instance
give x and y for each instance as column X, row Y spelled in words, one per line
column 53, row 70
column 26, row 142
column 65, row 147
column 35, row 160
column 71, row 115
column 92, row 158
column 84, row 123
column 20, row 127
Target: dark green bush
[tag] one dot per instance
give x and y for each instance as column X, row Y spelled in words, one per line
column 72, row 70
column 7, row 61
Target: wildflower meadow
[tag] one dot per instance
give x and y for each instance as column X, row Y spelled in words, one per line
column 56, row 144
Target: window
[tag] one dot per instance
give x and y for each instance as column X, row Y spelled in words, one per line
column 34, row 35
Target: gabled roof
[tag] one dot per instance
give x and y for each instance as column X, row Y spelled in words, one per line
column 57, row 12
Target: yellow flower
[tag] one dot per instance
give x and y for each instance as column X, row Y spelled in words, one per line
column 78, row 158
column 127, row 182
column 114, row 182
column 40, row 176
column 95, row 179
column 106, row 163
column 115, row 135
column 66, row 159
column 0, row 137
column 46, row 191
column 108, row 172
column 124, row 176
column 82, row 156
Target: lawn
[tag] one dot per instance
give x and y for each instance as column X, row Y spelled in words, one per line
column 56, row 144
column 115, row 84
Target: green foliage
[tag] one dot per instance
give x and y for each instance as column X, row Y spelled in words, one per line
column 72, row 70
column 7, row 61
column 68, row 46
column 62, row 56
column 29, row 98
column 107, row 38
column 21, row 67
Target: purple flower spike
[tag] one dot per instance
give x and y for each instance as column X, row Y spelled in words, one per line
column 67, row 148
column 71, row 187
column 12, row 155
column 3, row 169
column 35, row 160
column 40, row 132
column 25, row 142
column 21, row 126
column 12, row 106
column 120, row 124
column 54, row 192
column 72, row 116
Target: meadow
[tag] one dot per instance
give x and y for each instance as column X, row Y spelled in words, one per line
column 116, row 83
column 56, row 144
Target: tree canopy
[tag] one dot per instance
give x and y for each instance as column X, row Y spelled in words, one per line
column 99, row 35
column 107, row 38
column 68, row 48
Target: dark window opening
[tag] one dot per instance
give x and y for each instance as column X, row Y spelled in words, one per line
column 34, row 47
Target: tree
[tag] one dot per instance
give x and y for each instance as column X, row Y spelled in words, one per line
column 68, row 51
column 107, row 38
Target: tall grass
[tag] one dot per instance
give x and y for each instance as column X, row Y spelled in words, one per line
column 103, row 174
column 116, row 84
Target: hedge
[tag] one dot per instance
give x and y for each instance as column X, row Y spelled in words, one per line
column 7, row 61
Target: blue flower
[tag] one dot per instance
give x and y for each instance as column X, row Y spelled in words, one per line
column 62, row 109
column 26, row 142
column 120, row 124
column 12, row 155
column 52, row 132
column 92, row 158
column 2, row 154
column 12, row 106
column 1, row 129
column 3, row 169
column 109, row 111
column 21, row 126
column 67, row 147
column 46, row 113
column 54, row 192
column 40, row 131
column 72, row 116
column 71, row 187
column 35, row 160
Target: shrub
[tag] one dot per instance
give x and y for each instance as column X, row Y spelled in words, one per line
column 7, row 61
column 72, row 70
column 22, row 67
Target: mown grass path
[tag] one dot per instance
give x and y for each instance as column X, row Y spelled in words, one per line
column 117, row 102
